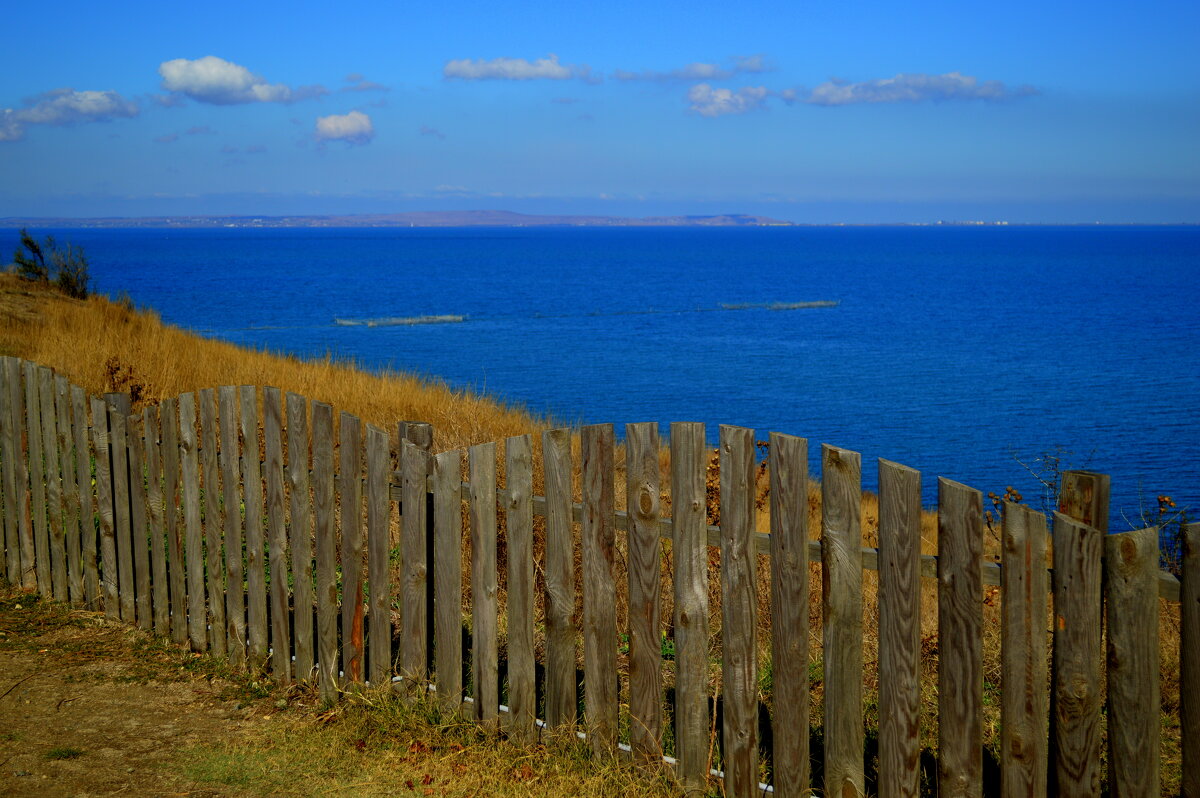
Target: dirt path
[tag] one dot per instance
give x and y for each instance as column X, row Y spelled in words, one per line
column 89, row 709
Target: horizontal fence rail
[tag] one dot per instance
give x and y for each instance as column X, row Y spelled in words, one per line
column 263, row 528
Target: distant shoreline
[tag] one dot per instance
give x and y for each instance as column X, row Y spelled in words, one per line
column 501, row 219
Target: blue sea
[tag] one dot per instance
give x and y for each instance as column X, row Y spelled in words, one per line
column 960, row 351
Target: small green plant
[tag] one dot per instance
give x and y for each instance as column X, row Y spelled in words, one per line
column 64, row 752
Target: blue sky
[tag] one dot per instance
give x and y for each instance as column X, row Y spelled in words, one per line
column 811, row 112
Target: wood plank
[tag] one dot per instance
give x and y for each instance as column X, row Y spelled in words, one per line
column 25, row 532
column 108, row 544
column 841, row 590
column 789, row 613
column 350, row 489
column 447, row 576
column 252, row 496
column 1024, row 710
column 87, row 513
column 70, row 498
column 899, row 630
column 561, row 635
column 10, row 557
column 518, row 519
column 1084, row 497
column 1189, row 656
column 379, row 465
column 484, row 665
column 214, row 529
column 414, row 564
column 139, row 520
column 326, row 531
column 118, row 441
column 54, row 491
column 739, row 656
column 689, row 547
column 1134, row 707
column 193, row 531
column 960, row 636
column 300, row 532
column 597, row 538
column 40, row 554
column 172, row 492
column 1075, row 708
column 160, row 602
column 281, row 646
column 643, row 495
column 235, row 571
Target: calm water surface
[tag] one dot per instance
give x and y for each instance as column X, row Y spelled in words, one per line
column 952, row 350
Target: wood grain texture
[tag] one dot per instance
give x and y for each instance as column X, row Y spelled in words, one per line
column 960, row 640
column 235, row 572
column 25, row 534
column 139, row 513
column 118, row 431
column 739, row 655
column 108, row 543
column 689, row 548
column 326, row 533
column 169, row 420
column 56, row 561
column 899, row 630
column 1075, row 708
column 597, row 539
column 841, row 590
column 642, row 494
column 415, row 463
column 789, row 613
column 300, row 533
column 87, row 513
column 350, row 452
column 518, row 518
column 10, row 557
column 252, row 497
column 484, row 665
column 1189, row 656
column 378, row 550
column 1131, row 607
column 160, row 601
column 193, row 532
column 39, row 555
column 1025, row 702
column 214, row 532
column 277, row 558
column 1084, row 497
column 561, row 634
column 447, row 577
column 70, row 497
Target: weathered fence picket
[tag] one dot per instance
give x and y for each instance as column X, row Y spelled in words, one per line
column 350, row 493
column 484, row 654
column 518, row 522
column 156, row 539
column 842, row 605
column 899, row 630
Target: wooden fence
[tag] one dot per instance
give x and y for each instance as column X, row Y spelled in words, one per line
column 188, row 520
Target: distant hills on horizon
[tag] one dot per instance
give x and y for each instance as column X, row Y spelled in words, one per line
column 487, row 218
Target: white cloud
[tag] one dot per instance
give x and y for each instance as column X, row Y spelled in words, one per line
column 358, row 82
column 741, row 64
column 64, row 107
column 219, row 82
column 915, row 87
column 547, row 68
column 352, row 128
column 707, row 101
